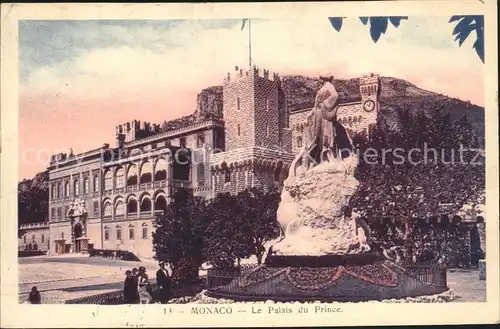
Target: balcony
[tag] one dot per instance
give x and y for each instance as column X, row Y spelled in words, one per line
column 35, row 225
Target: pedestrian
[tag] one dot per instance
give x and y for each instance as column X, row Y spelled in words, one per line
column 34, row 296
column 142, row 286
column 135, row 275
column 129, row 288
column 164, row 282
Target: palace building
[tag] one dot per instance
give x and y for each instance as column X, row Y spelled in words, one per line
column 241, row 135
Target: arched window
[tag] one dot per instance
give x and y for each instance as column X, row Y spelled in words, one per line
column 146, row 173
column 161, row 203
column 120, row 178
column 132, row 175
column 132, row 206
column 108, row 209
column 66, row 189
column 161, row 170
column 86, row 185
column 108, row 181
column 145, row 204
column 299, row 141
column 200, row 171
column 120, row 208
column 96, row 183
column 76, row 186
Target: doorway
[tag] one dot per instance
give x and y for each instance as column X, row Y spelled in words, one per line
column 78, row 233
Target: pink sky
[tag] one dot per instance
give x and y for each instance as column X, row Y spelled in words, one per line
column 76, row 101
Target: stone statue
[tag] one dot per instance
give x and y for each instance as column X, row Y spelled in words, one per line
column 321, row 132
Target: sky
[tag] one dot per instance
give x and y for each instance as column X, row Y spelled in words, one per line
column 79, row 79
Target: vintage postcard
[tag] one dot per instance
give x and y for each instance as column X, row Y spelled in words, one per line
column 258, row 164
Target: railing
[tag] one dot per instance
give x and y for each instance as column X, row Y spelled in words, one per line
column 145, row 214
column 159, row 184
column 35, row 225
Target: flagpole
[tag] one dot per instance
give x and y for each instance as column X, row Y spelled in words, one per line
column 249, row 42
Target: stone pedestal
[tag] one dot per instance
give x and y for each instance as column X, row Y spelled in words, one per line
column 482, row 269
column 84, row 244
column 311, row 211
column 60, row 246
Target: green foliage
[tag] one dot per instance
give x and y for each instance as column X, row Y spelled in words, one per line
column 33, row 200
column 178, row 238
column 437, row 173
column 465, row 25
column 222, row 230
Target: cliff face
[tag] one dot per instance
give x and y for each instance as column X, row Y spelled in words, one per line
column 209, row 102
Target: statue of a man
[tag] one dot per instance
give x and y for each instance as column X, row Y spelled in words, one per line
column 321, row 133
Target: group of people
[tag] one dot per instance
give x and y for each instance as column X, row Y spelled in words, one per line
column 138, row 289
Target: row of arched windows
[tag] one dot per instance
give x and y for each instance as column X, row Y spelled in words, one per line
column 130, row 176
column 119, row 208
column 350, row 119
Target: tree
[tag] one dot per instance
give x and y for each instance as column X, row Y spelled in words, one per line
column 424, row 167
column 257, row 214
column 226, row 241
column 178, row 238
column 32, row 200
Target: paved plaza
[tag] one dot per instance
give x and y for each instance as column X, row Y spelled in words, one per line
column 59, row 278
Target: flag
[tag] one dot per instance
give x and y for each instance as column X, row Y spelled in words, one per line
column 243, row 21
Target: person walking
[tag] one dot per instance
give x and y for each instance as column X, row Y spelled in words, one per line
column 164, row 282
column 129, row 288
column 142, row 286
column 34, row 296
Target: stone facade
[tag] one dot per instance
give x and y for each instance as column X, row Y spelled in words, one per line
column 242, row 134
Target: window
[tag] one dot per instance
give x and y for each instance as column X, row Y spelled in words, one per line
column 66, row 189
column 108, row 209
column 108, row 181
column 131, row 232
column 132, row 175
column 120, row 178
column 118, row 232
column 120, row 208
column 132, row 206
column 239, row 130
column 299, row 141
column 200, row 141
column 106, row 233
column 52, row 192
column 43, row 238
column 182, row 142
column 227, row 176
column 96, row 183
column 53, row 213
column 66, row 210
column 144, row 231
column 59, row 190
column 96, row 208
column 238, row 103
column 86, row 185
column 77, row 186
column 59, row 213
column 145, row 205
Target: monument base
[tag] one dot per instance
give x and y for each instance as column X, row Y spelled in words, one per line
column 347, row 279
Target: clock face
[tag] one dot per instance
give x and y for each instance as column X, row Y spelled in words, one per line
column 369, row 105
